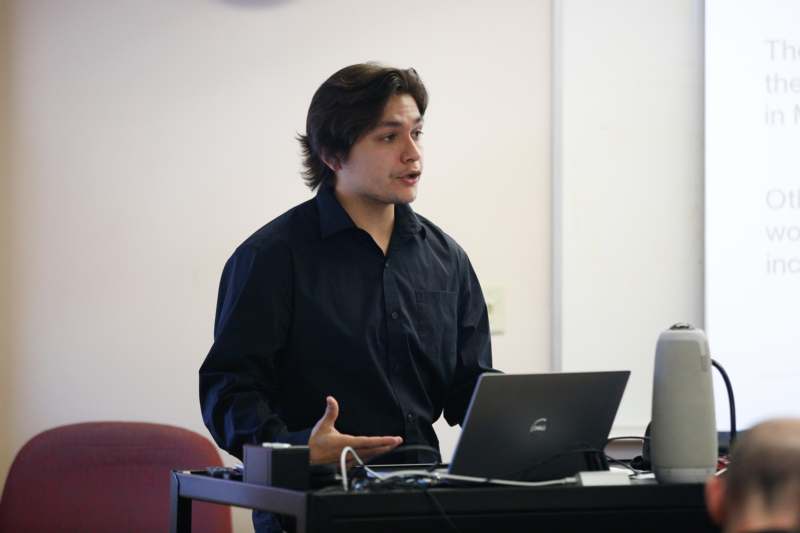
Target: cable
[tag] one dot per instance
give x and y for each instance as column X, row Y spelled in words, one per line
column 626, row 465
column 437, row 476
column 412, row 448
column 731, row 401
column 636, row 471
column 343, row 464
column 471, row 479
column 441, row 510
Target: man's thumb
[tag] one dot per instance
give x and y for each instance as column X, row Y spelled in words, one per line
column 331, row 411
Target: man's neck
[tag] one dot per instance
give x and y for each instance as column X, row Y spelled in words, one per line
column 375, row 218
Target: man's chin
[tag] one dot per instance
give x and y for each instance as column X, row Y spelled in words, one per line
column 405, row 200
column 405, row 197
column 395, row 197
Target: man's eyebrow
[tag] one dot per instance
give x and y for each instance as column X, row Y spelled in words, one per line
column 395, row 123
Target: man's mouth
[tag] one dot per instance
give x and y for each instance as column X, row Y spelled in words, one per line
column 411, row 178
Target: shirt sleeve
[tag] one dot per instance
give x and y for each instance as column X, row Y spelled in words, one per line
column 238, row 381
column 474, row 343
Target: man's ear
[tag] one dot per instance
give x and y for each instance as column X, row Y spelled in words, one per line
column 715, row 498
column 332, row 162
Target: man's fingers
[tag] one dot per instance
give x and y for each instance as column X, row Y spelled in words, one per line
column 368, row 453
column 359, row 443
column 326, row 444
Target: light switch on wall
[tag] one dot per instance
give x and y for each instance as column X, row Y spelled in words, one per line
column 496, row 304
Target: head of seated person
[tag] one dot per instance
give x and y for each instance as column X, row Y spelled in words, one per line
column 760, row 491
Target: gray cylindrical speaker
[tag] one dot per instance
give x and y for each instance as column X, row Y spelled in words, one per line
column 683, row 439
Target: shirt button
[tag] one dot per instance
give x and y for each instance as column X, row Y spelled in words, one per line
column 410, row 417
column 386, row 264
column 394, row 315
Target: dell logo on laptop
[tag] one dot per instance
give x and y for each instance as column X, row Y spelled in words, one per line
column 539, row 425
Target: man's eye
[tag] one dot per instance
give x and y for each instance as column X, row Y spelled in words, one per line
column 388, row 138
column 417, row 134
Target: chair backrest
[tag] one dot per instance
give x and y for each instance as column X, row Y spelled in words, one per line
column 103, row 477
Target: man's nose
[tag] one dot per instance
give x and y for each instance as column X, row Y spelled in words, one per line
column 412, row 151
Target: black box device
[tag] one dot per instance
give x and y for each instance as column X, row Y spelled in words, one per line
column 277, row 464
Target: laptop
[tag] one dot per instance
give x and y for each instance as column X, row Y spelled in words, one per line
column 538, row 426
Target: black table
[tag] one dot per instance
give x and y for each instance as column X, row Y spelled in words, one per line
column 644, row 507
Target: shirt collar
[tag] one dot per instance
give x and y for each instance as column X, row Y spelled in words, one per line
column 333, row 218
column 406, row 221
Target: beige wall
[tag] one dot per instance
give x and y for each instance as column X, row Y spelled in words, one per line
column 5, row 232
column 152, row 137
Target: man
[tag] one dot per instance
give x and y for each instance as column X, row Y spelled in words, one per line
column 350, row 306
column 760, row 491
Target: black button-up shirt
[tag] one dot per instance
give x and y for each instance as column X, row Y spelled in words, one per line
column 309, row 306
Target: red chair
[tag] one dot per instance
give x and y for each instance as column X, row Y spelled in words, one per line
column 105, row 476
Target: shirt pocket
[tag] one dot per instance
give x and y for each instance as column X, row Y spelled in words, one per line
column 435, row 317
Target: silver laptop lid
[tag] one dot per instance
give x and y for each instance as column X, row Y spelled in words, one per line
column 537, row 426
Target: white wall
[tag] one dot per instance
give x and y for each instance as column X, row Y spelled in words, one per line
column 5, row 230
column 151, row 137
column 628, row 201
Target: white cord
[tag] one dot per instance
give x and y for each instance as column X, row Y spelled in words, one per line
column 439, row 476
column 343, row 464
column 471, row 479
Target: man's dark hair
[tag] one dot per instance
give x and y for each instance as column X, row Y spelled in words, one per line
column 765, row 461
column 349, row 104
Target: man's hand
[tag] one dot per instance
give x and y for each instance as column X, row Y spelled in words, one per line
column 326, row 444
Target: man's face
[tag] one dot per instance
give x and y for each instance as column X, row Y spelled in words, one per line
column 385, row 164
